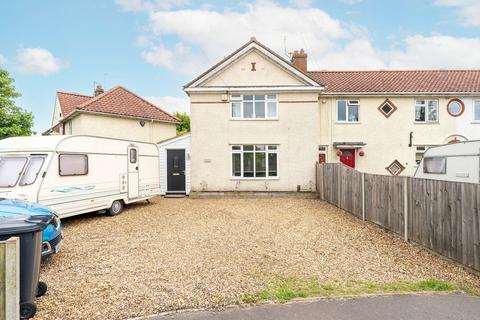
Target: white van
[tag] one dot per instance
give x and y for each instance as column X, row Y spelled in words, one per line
column 452, row 162
column 78, row 174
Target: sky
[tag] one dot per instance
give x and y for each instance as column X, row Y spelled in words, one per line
column 154, row 47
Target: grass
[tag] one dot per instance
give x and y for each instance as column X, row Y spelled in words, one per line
column 286, row 289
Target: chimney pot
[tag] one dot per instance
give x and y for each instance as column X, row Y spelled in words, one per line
column 299, row 60
column 98, row 90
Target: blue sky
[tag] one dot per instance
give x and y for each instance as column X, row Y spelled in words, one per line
column 153, row 47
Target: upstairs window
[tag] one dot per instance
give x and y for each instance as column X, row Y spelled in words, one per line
column 387, row 108
column 426, row 111
column 476, row 111
column 254, row 107
column 347, row 111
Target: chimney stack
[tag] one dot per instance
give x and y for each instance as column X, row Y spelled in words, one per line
column 98, row 90
column 299, row 60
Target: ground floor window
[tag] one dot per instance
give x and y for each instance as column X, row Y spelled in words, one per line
column 254, row 161
column 419, row 151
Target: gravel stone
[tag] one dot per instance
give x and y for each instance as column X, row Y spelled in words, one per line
column 185, row 253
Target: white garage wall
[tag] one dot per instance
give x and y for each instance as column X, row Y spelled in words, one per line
column 181, row 142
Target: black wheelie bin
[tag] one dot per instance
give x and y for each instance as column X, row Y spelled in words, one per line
column 29, row 230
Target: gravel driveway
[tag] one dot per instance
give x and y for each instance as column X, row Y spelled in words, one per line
column 185, row 253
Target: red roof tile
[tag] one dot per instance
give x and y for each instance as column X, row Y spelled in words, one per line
column 119, row 101
column 414, row 81
column 69, row 101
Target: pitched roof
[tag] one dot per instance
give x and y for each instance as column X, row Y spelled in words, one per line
column 69, row 101
column 253, row 43
column 116, row 101
column 404, row 81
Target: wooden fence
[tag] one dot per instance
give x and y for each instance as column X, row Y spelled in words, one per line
column 443, row 216
column 9, row 278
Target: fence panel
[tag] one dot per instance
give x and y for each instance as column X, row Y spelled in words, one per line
column 444, row 216
column 331, row 183
column 351, row 190
column 384, row 201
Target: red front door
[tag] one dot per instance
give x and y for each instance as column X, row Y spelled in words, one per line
column 348, row 157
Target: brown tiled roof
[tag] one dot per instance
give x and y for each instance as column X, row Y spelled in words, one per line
column 120, row 101
column 405, row 81
column 69, row 101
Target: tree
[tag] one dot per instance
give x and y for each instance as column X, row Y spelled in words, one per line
column 185, row 125
column 14, row 121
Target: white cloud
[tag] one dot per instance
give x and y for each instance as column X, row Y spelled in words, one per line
column 3, row 60
column 178, row 58
column 203, row 36
column 171, row 104
column 300, row 3
column 469, row 10
column 146, row 5
column 38, row 61
column 436, row 52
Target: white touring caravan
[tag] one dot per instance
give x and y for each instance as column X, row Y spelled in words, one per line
column 78, row 174
column 452, row 162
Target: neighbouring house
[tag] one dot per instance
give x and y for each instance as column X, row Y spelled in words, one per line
column 115, row 113
column 259, row 121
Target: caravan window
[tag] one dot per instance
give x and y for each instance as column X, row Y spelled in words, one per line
column 72, row 164
column 133, row 155
column 32, row 171
column 10, row 170
column 436, row 165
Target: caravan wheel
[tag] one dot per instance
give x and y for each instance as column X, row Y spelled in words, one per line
column 116, row 208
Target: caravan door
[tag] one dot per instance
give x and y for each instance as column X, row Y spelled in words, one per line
column 132, row 172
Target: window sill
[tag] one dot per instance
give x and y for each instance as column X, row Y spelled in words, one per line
column 253, row 179
column 347, row 122
column 433, row 122
column 475, row 122
column 253, row 119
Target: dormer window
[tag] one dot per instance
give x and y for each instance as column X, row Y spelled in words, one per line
column 254, row 107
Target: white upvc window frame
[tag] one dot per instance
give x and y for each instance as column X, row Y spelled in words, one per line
column 239, row 149
column 426, row 106
column 476, row 102
column 348, row 103
column 420, row 151
column 268, row 98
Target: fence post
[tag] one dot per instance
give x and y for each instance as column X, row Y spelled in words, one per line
column 363, row 197
column 405, row 209
column 323, row 182
column 339, row 181
column 9, row 278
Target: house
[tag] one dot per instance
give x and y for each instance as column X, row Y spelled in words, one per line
column 115, row 113
column 259, row 121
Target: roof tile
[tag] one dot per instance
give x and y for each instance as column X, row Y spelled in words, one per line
column 405, row 81
column 116, row 101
